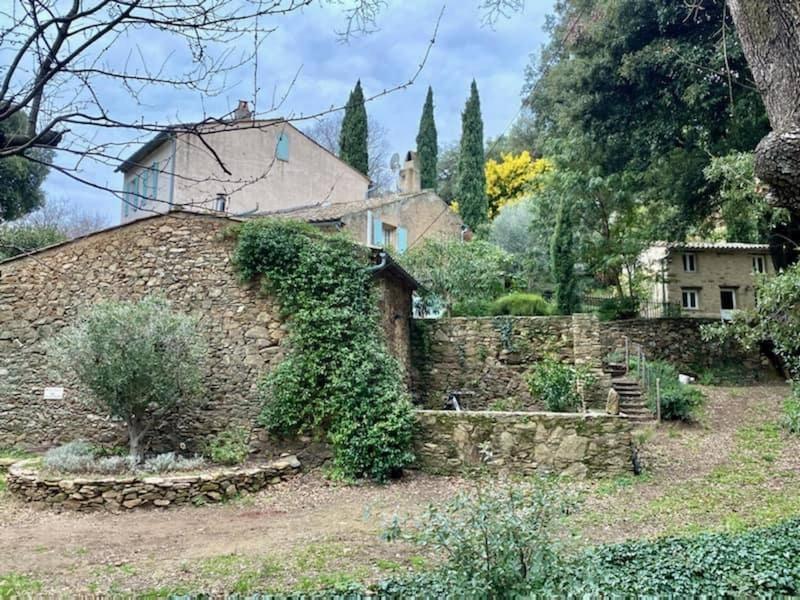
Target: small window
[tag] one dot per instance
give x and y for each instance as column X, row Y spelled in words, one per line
column 221, row 203
column 690, row 263
column 759, row 264
column 282, row 149
column 727, row 299
column 690, row 299
column 389, row 236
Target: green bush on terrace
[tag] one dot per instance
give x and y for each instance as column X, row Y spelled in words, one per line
column 338, row 377
column 517, row 304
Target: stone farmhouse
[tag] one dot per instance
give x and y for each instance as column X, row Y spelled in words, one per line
column 706, row 279
column 183, row 256
column 236, row 166
column 393, row 221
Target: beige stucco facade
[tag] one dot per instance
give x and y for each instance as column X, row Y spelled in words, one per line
column 706, row 279
column 271, row 166
column 396, row 221
column 422, row 215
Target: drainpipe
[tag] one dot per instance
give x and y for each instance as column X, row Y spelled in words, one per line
column 379, row 266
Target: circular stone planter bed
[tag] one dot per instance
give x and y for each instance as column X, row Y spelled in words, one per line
column 126, row 492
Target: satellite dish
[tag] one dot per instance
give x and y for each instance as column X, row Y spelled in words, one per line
column 394, row 163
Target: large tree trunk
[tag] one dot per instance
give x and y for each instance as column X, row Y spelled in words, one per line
column 769, row 31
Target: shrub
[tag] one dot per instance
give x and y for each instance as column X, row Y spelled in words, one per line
column 140, row 360
column 471, row 308
column 759, row 563
column 558, row 385
column 169, row 461
column 229, row 447
column 113, row 465
column 73, row 457
column 338, row 377
column 499, row 541
column 459, row 272
column 612, row 309
column 521, row 304
column 679, row 401
column 791, row 411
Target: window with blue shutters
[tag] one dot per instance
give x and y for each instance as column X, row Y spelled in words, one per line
column 282, row 150
column 402, row 240
column 377, row 232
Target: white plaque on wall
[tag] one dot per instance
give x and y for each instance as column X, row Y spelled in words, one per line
column 54, row 393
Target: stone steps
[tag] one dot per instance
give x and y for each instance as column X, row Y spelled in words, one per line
column 631, row 402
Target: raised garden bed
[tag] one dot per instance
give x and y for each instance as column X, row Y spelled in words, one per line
column 27, row 481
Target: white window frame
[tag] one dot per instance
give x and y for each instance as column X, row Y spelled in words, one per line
column 761, row 261
column 223, row 200
column 686, row 265
column 690, row 293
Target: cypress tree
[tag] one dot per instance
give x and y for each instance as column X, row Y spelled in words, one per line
column 471, row 183
column 562, row 256
column 353, row 137
column 427, row 145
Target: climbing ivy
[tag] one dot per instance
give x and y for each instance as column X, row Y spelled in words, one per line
column 338, row 378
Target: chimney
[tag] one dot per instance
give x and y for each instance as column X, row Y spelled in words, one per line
column 242, row 112
column 409, row 175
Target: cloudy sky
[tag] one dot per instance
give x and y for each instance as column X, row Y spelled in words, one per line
column 307, row 43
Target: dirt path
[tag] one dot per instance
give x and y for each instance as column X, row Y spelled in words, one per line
column 212, row 546
column 733, row 469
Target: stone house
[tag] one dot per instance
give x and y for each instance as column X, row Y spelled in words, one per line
column 394, row 221
column 183, row 256
column 269, row 165
column 705, row 279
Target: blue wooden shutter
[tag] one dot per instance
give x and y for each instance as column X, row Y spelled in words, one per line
column 126, row 198
column 143, row 191
column 377, row 232
column 154, row 180
column 282, row 151
column 402, row 239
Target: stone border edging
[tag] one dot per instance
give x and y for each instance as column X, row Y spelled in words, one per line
column 125, row 493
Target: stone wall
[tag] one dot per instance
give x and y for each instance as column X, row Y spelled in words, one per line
column 578, row 445
column 678, row 341
column 181, row 256
column 125, row 493
column 489, row 357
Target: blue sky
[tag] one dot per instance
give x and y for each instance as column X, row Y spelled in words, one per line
column 496, row 57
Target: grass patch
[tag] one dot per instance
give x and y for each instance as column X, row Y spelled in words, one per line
column 13, row 585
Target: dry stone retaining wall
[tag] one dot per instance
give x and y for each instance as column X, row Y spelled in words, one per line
column 125, row 493
column 578, row 445
column 678, row 341
column 489, row 357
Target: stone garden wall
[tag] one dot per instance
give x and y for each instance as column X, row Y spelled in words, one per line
column 678, row 341
column 489, row 357
column 578, row 445
column 125, row 493
column 185, row 258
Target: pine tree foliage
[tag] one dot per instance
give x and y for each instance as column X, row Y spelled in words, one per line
column 562, row 255
column 354, row 135
column 427, row 145
column 471, row 184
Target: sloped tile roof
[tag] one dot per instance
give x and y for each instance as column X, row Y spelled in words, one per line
column 320, row 213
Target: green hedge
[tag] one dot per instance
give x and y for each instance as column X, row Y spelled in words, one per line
column 517, row 304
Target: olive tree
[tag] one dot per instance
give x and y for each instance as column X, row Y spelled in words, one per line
column 140, row 360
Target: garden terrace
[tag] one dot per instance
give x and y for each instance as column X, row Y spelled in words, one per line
column 126, row 492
